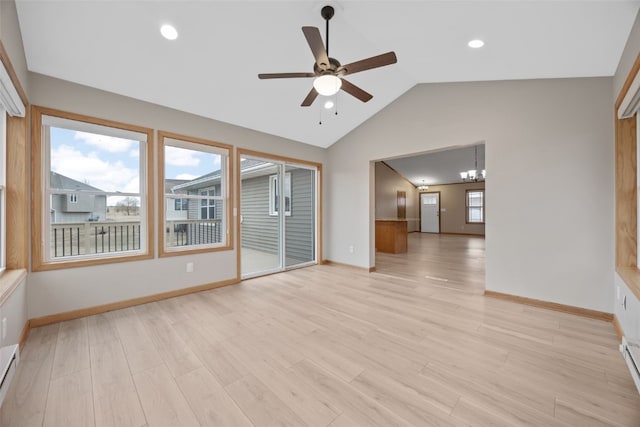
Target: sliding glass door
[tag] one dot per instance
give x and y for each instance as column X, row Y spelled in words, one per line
column 278, row 219
column 300, row 220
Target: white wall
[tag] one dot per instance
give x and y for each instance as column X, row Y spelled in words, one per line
column 14, row 309
column 12, row 41
column 53, row 292
column 628, row 57
column 549, row 153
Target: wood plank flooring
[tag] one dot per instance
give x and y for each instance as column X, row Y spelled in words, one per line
column 330, row 346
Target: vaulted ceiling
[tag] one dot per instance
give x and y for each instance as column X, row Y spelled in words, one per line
column 211, row 69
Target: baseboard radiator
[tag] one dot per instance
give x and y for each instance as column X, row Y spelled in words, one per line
column 9, row 357
column 631, row 352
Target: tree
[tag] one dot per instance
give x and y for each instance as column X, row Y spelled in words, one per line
column 128, row 204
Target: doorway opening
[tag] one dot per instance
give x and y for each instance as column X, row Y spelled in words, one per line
column 444, row 211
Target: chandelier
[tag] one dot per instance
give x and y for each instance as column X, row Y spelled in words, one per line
column 423, row 187
column 472, row 175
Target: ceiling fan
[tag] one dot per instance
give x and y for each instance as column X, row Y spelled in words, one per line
column 328, row 72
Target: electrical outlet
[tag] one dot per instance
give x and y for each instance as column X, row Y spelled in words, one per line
column 189, row 267
column 351, row 249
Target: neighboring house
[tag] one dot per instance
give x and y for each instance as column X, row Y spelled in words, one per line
column 259, row 219
column 77, row 206
column 198, row 219
column 176, row 208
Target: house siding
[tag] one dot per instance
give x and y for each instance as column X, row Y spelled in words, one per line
column 300, row 226
column 88, row 206
column 260, row 230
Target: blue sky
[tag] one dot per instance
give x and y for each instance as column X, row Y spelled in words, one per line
column 112, row 164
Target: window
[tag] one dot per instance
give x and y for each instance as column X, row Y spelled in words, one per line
column 274, row 192
column 196, row 183
column 208, row 205
column 93, row 177
column 181, row 204
column 475, row 206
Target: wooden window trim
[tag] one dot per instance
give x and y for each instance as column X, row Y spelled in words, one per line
column 466, row 206
column 229, row 229
column 37, row 219
column 626, row 190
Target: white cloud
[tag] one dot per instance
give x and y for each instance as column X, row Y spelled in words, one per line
column 175, row 156
column 110, row 144
column 97, row 172
column 134, row 154
column 186, row 176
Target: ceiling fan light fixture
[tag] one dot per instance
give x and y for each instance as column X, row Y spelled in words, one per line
column 476, row 44
column 327, row 85
column 169, row 32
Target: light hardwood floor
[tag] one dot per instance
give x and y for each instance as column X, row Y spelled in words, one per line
column 329, row 346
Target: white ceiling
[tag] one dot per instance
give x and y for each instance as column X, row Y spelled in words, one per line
column 211, row 69
column 440, row 167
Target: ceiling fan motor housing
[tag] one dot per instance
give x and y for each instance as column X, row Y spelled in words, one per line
column 332, row 68
column 327, row 12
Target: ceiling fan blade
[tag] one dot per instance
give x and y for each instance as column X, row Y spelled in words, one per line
column 314, row 39
column 284, row 75
column 369, row 63
column 354, row 90
column 313, row 94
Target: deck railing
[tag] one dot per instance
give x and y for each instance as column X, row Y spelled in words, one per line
column 185, row 232
column 87, row 238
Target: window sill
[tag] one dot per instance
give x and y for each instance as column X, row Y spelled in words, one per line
column 88, row 262
column 631, row 277
column 9, row 281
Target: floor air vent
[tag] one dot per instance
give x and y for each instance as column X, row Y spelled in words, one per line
column 631, row 352
column 8, row 364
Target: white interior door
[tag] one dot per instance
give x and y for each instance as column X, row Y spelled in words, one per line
column 430, row 212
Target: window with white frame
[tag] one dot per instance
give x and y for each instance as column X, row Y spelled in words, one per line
column 208, row 204
column 475, row 206
column 93, row 181
column 199, row 173
column 274, row 194
column 181, row 205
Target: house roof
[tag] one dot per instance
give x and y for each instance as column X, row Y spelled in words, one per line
column 170, row 184
column 62, row 182
column 212, row 178
column 525, row 39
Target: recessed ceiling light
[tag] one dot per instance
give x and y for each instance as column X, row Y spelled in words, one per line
column 328, row 105
column 477, row 43
column 169, row 32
